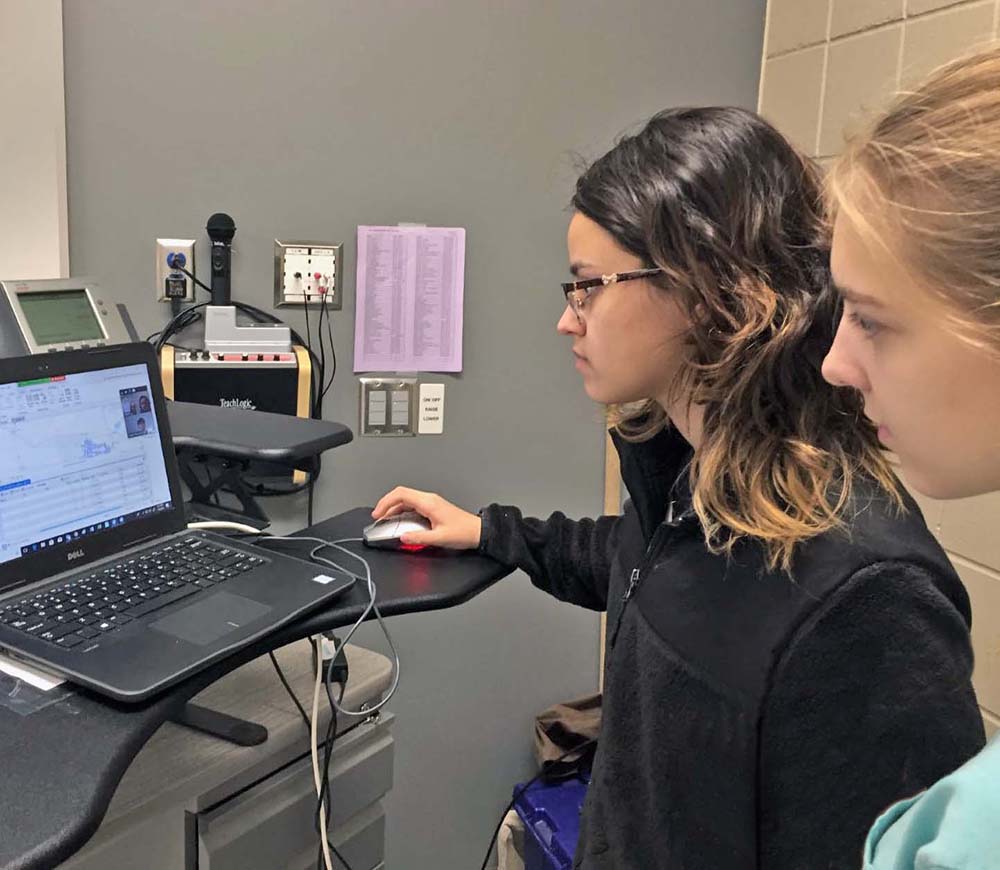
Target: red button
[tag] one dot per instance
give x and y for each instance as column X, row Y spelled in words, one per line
column 233, row 356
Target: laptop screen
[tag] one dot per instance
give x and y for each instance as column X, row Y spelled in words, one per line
column 79, row 453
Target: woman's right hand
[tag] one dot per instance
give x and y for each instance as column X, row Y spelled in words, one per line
column 451, row 527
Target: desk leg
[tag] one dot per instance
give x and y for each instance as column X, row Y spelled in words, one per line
column 237, row 731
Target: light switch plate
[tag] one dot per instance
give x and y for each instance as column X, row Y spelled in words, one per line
column 387, row 406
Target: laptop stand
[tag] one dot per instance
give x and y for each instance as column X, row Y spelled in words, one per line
column 238, row 731
column 223, row 443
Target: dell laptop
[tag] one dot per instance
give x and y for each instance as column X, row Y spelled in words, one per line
column 100, row 579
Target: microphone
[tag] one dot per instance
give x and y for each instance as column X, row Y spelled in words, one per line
column 221, row 229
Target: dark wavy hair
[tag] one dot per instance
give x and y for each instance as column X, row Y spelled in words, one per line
column 718, row 199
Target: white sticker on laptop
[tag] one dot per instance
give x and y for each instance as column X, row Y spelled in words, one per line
column 323, row 578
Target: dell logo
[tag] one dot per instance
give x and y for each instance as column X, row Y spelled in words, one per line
column 74, row 554
column 245, row 404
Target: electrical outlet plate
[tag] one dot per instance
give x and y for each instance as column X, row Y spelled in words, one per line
column 305, row 260
column 388, row 406
column 163, row 271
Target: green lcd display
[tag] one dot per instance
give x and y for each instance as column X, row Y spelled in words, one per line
column 60, row 316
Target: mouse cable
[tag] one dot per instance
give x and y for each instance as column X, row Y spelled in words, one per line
column 371, row 607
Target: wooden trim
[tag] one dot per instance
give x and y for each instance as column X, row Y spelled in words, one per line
column 302, row 408
column 612, row 505
column 167, row 370
column 304, row 398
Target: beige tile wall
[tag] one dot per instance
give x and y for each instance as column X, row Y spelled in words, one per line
column 827, row 63
column 860, row 51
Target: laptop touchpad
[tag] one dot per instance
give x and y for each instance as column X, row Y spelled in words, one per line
column 211, row 618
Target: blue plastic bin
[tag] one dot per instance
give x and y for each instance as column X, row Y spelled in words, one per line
column 551, row 816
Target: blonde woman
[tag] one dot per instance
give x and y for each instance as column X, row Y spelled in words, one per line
column 916, row 255
column 787, row 651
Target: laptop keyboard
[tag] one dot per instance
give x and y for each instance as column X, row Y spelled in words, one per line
column 100, row 603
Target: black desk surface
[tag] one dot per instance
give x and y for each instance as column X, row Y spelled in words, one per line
column 60, row 765
column 239, row 434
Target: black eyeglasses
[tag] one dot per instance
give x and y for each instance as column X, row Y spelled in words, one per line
column 578, row 292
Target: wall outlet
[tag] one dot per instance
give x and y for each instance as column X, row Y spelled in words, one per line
column 172, row 284
column 306, row 272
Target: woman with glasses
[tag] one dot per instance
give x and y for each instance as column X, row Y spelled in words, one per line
column 783, row 633
column 916, row 255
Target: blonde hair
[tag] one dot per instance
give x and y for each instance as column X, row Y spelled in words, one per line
column 732, row 214
column 922, row 183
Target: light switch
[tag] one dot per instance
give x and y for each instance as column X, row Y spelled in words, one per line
column 376, row 408
column 400, row 408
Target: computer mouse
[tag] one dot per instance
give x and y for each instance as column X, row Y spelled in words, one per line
column 385, row 534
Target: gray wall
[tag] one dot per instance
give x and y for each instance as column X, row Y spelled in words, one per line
column 308, row 117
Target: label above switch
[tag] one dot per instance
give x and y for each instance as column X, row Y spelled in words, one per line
column 431, row 420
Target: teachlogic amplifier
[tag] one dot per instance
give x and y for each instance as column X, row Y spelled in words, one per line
column 280, row 383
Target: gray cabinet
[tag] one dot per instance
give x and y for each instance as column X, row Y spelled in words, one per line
column 193, row 802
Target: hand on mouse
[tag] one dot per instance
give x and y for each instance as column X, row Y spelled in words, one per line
column 451, row 527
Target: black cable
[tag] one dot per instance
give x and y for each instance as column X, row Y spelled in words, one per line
column 324, row 792
column 333, row 350
column 324, row 789
column 192, row 276
column 262, row 491
column 521, row 791
column 331, row 731
column 320, row 370
column 309, row 510
column 291, row 693
column 317, row 405
column 177, row 323
column 322, row 353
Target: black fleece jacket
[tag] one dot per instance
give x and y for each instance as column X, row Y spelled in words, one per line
column 752, row 719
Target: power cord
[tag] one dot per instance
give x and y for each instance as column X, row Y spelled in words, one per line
column 222, row 525
column 522, row 790
column 326, row 667
column 333, row 351
column 324, row 803
column 371, row 607
column 288, row 688
column 198, row 283
column 314, row 754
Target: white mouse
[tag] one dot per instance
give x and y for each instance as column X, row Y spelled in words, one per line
column 385, row 534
